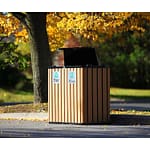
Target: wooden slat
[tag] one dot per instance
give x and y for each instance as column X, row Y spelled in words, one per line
column 90, row 119
column 51, row 96
column 66, row 96
column 52, row 93
column 48, row 96
column 82, row 96
column 78, row 95
column 56, row 102
column 63, row 95
column 75, row 99
column 71, row 99
column 60, row 97
column 54, row 99
column 105, row 107
column 69, row 95
column 100, row 96
column 49, row 93
column 94, row 90
column 108, row 93
column 85, row 97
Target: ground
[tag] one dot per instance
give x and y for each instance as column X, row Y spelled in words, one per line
column 43, row 107
column 12, row 108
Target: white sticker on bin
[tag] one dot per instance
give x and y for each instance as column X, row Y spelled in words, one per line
column 71, row 76
column 56, row 77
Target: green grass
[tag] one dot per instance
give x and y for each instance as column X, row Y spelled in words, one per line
column 130, row 93
column 15, row 96
column 22, row 96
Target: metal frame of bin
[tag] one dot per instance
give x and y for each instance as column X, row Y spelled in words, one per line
column 81, row 100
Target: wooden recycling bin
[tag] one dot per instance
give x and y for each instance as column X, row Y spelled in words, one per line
column 78, row 95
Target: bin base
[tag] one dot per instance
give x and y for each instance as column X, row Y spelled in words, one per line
column 67, row 123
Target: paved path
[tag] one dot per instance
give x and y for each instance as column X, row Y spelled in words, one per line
column 25, row 116
column 36, row 129
column 139, row 105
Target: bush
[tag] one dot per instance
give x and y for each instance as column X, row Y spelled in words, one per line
column 12, row 78
column 12, row 64
column 9, row 56
column 128, row 56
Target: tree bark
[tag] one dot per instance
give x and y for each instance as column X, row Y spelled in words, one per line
column 40, row 54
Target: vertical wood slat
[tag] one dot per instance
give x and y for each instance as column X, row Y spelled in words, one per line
column 72, row 99
column 57, row 100
column 60, row 97
column 52, row 92
column 94, row 90
column 75, row 99
column 49, row 94
column 57, row 104
column 85, row 96
column 68, row 106
column 63, row 95
column 82, row 95
column 54, row 102
column 100, row 96
column 69, row 98
column 89, row 95
column 78, row 95
column 66, row 97
column 108, row 93
column 104, row 95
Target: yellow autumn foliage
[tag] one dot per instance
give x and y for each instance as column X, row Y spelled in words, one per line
column 87, row 26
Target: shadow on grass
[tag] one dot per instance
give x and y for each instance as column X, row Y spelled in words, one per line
column 129, row 120
column 13, row 103
column 1, row 102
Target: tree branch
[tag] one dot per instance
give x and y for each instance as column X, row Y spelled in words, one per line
column 21, row 16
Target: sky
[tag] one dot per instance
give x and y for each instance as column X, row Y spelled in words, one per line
column 74, row 5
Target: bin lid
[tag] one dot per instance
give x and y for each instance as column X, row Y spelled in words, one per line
column 79, row 56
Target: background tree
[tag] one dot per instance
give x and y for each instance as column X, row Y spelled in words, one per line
column 40, row 53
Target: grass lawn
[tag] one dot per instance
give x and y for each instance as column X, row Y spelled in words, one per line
column 22, row 96
column 129, row 93
column 15, row 96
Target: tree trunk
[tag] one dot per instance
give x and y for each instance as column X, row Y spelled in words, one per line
column 40, row 54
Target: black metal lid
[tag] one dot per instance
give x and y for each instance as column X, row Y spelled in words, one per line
column 79, row 56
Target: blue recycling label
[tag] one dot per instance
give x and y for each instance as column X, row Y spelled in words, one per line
column 56, row 77
column 71, row 76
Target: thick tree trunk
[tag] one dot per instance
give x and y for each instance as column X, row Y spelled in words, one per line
column 40, row 54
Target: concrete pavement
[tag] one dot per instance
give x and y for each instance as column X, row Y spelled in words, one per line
column 36, row 129
column 25, row 116
column 138, row 105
